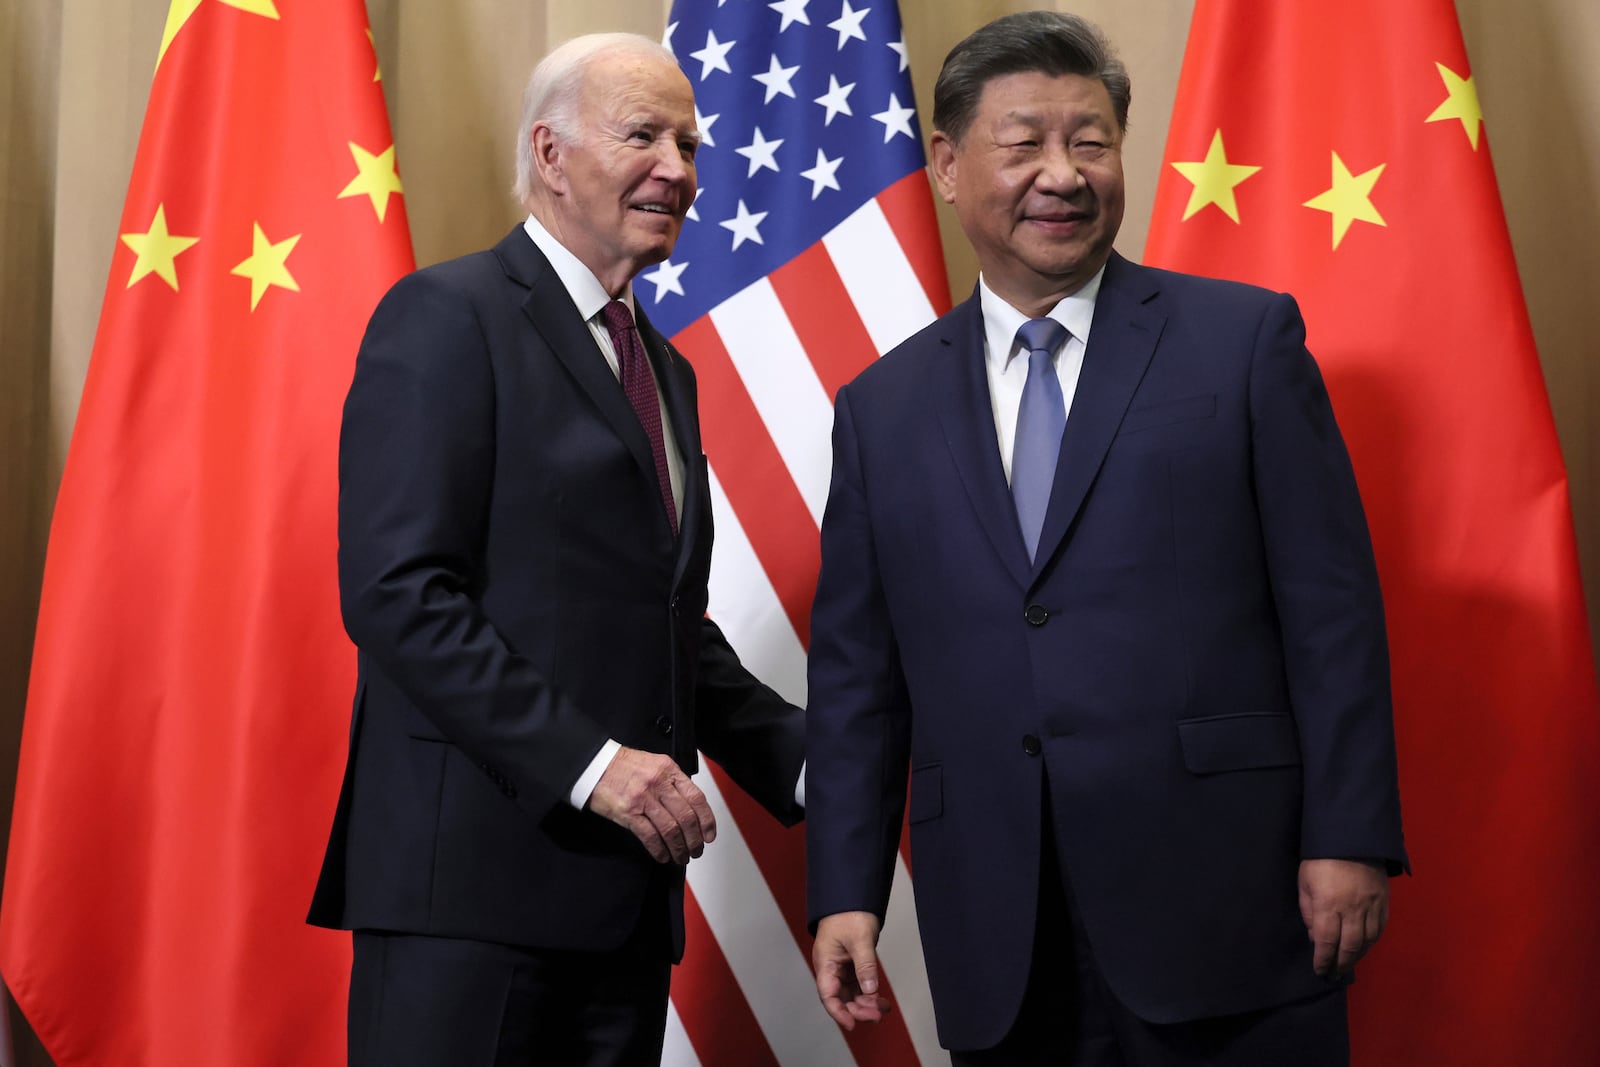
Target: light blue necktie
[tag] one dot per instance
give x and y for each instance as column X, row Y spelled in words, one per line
column 1040, row 422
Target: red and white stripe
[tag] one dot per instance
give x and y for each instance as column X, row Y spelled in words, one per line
column 770, row 360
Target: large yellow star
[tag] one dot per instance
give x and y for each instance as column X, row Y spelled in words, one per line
column 1461, row 103
column 179, row 13
column 157, row 250
column 1350, row 199
column 376, row 177
column 268, row 265
column 1214, row 179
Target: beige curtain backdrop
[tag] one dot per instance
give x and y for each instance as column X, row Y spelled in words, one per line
column 74, row 75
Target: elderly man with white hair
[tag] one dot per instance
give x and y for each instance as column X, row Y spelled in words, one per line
column 524, row 542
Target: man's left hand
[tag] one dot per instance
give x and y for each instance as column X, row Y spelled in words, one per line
column 1345, row 904
column 845, row 959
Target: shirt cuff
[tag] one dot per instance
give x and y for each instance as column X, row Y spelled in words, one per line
column 591, row 776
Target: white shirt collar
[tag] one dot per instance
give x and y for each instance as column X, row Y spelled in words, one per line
column 581, row 284
column 1001, row 321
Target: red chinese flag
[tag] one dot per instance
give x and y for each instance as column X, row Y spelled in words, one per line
column 1336, row 151
column 188, row 708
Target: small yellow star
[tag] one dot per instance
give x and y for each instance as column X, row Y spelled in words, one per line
column 1214, row 179
column 1350, row 199
column 268, row 265
column 157, row 250
column 1461, row 103
column 376, row 177
column 377, row 71
column 178, row 14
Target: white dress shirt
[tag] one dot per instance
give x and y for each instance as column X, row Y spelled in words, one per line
column 1007, row 374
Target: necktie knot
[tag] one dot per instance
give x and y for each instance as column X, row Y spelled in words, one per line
column 618, row 319
column 1041, row 335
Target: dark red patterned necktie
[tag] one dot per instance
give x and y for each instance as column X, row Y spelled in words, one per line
column 641, row 390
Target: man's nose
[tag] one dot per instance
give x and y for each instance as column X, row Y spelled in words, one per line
column 1059, row 173
column 671, row 165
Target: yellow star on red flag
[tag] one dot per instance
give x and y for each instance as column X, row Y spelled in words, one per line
column 180, row 11
column 268, row 265
column 376, row 177
column 1460, row 103
column 1214, row 179
column 157, row 250
column 1350, row 198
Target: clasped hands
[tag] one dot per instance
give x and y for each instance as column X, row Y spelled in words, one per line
column 648, row 794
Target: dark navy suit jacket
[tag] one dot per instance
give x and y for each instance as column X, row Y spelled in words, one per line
column 1196, row 660
column 517, row 596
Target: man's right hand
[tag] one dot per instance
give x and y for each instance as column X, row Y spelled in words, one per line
column 649, row 795
column 845, row 958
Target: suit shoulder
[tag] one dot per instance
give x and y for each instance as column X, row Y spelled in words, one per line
column 1213, row 294
column 897, row 366
column 468, row 274
column 452, row 296
column 439, row 309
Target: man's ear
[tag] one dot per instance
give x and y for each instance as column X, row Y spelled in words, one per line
column 942, row 162
column 549, row 159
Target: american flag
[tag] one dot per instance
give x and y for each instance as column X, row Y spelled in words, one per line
column 811, row 250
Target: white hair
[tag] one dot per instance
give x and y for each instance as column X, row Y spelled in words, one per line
column 551, row 96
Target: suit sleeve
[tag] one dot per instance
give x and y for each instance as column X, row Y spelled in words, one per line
column 754, row 735
column 1324, row 583
column 752, row 732
column 416, row 461
column 858, row 724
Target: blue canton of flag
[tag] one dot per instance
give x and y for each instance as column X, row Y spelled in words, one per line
column 805, row 112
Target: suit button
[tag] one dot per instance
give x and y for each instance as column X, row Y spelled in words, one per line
column 1036, row 615
column 508, row 789
column 677, row 606
column 664, row 726
column 1030, row 744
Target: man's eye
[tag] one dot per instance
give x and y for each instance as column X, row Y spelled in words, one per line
column 688, row 148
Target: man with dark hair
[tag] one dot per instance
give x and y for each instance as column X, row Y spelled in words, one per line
column 524, row 543
column 1096, row 574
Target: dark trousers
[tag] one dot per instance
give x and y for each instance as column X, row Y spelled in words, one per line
column 1069, row 1018
column 440, row 1002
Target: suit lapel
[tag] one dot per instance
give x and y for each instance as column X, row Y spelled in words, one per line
column 556, row 318
column 1121, row 342
column 960, row 391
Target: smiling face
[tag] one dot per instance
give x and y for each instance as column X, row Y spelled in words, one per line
column 622, row 180
column 1037, row 184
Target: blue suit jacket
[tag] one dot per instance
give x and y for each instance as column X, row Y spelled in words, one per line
column 517, row 596
column 1196, row 659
